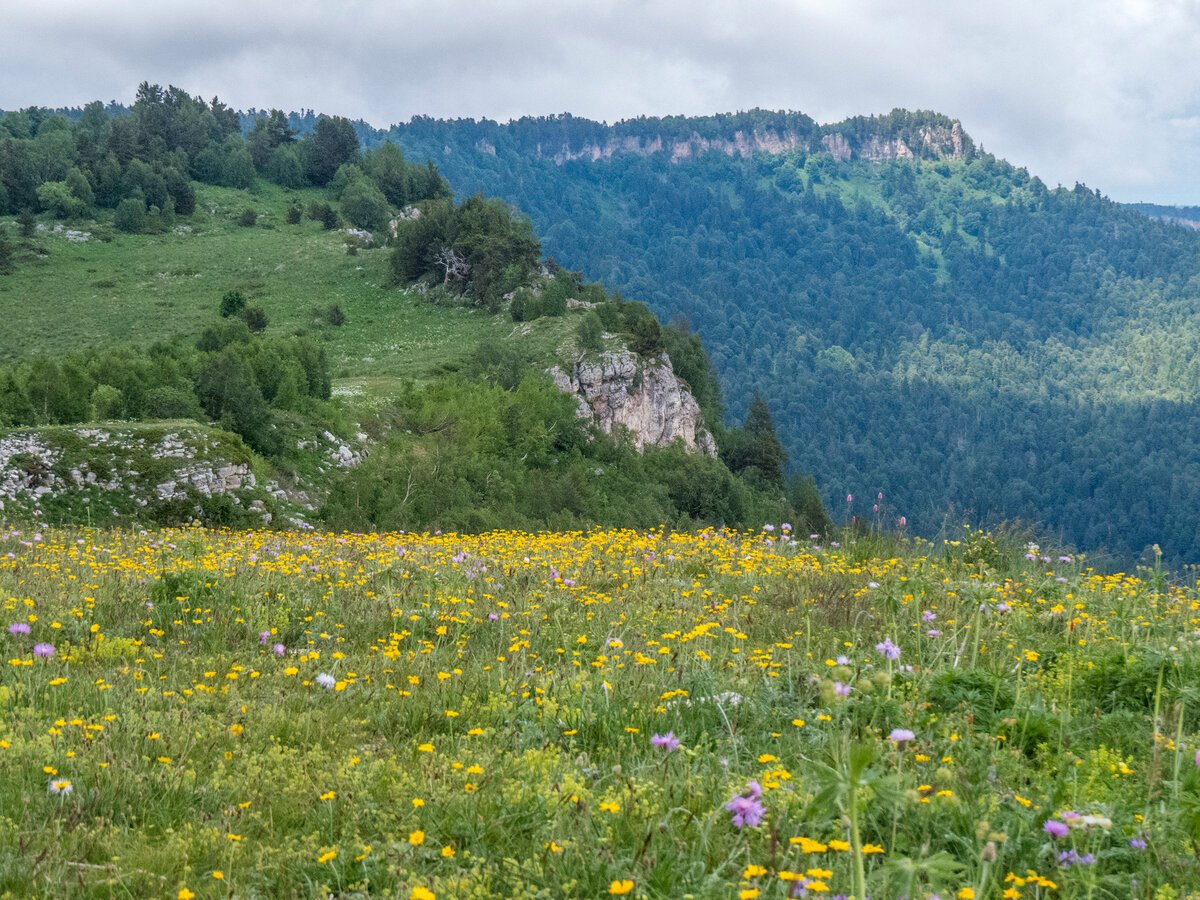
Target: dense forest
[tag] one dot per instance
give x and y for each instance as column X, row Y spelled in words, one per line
column 945, row 330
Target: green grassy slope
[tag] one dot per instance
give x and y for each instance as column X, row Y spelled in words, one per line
column 119, row 288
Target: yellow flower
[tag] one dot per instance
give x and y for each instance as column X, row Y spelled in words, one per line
column 218, row 875
column 422, row 893
column 966, row 894
column 417, row 838
column 610, row 806
column 328, row 795
column 748, row 894
column 839, row 845
column 753, row 871
column 620, row 887
column 448, row 852
column 425, row 748
column 185, row 894
column 808, row 845
column 871, row 848
column 327, row 856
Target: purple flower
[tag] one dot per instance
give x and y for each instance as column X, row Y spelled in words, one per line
column 18, row 628
column 933, row 632
column 666, row 741
column 1137, row 843
column 901, row 736
column 279, row 649
column 264, row 636
column 1055, row 828
column 43, row 649
column 841, row 690
column 1071, row 857
column 1064, row 559
column 928, row 616
column 747, row 808
column 843, row 660
column 888, row 649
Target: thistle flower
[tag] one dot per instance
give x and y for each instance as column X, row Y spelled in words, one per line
column 666, row 741
column 18, row 628
column 326, row 681
column 901, row 736
column 747, row 808
column 1055, row 828
column 279, row 649
column 45, row 650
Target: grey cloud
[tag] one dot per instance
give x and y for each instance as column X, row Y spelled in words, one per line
column 1104, row 93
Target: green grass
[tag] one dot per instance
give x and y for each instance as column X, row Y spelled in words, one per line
column 143, row 288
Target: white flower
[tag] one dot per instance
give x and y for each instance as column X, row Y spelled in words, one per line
column 61, row 786
column 326, row 680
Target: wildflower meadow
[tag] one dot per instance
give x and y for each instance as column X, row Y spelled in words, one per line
column 193, row 713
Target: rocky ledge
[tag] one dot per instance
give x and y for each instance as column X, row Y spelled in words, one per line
column 619, row 389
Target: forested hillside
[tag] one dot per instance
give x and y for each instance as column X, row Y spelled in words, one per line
column 940, row 327
column 392, row 358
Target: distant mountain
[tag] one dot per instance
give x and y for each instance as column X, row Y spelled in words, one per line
column 924, row 320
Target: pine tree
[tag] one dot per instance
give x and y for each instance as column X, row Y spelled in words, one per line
column 763, row 450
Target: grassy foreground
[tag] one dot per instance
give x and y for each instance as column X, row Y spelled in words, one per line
column 205, row 714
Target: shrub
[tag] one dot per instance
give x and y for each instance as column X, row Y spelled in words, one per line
column 232, row 303
column 255, row 318
column 248, row 218
column 130, row 216
column 590, row 333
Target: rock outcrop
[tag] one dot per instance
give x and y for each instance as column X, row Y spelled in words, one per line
column 619, row 389
column 169, row 473
column 930, row 141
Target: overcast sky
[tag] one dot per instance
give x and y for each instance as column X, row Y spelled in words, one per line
column 1106, row 92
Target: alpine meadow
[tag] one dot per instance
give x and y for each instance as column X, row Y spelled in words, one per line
column 690, row 507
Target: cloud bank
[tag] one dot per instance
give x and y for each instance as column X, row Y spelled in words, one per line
column 1105, row 93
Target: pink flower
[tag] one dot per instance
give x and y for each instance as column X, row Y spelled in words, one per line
column 747, row 808
column 18, row 628
column 666, row 741
column 43, row 650
column 1055, row 828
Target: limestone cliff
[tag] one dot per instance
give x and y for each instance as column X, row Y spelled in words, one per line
column 938, row 141
column 619, row 389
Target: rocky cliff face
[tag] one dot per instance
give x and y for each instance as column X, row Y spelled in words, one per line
column 742, row 144
column 937, row 141
column 618, row 389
